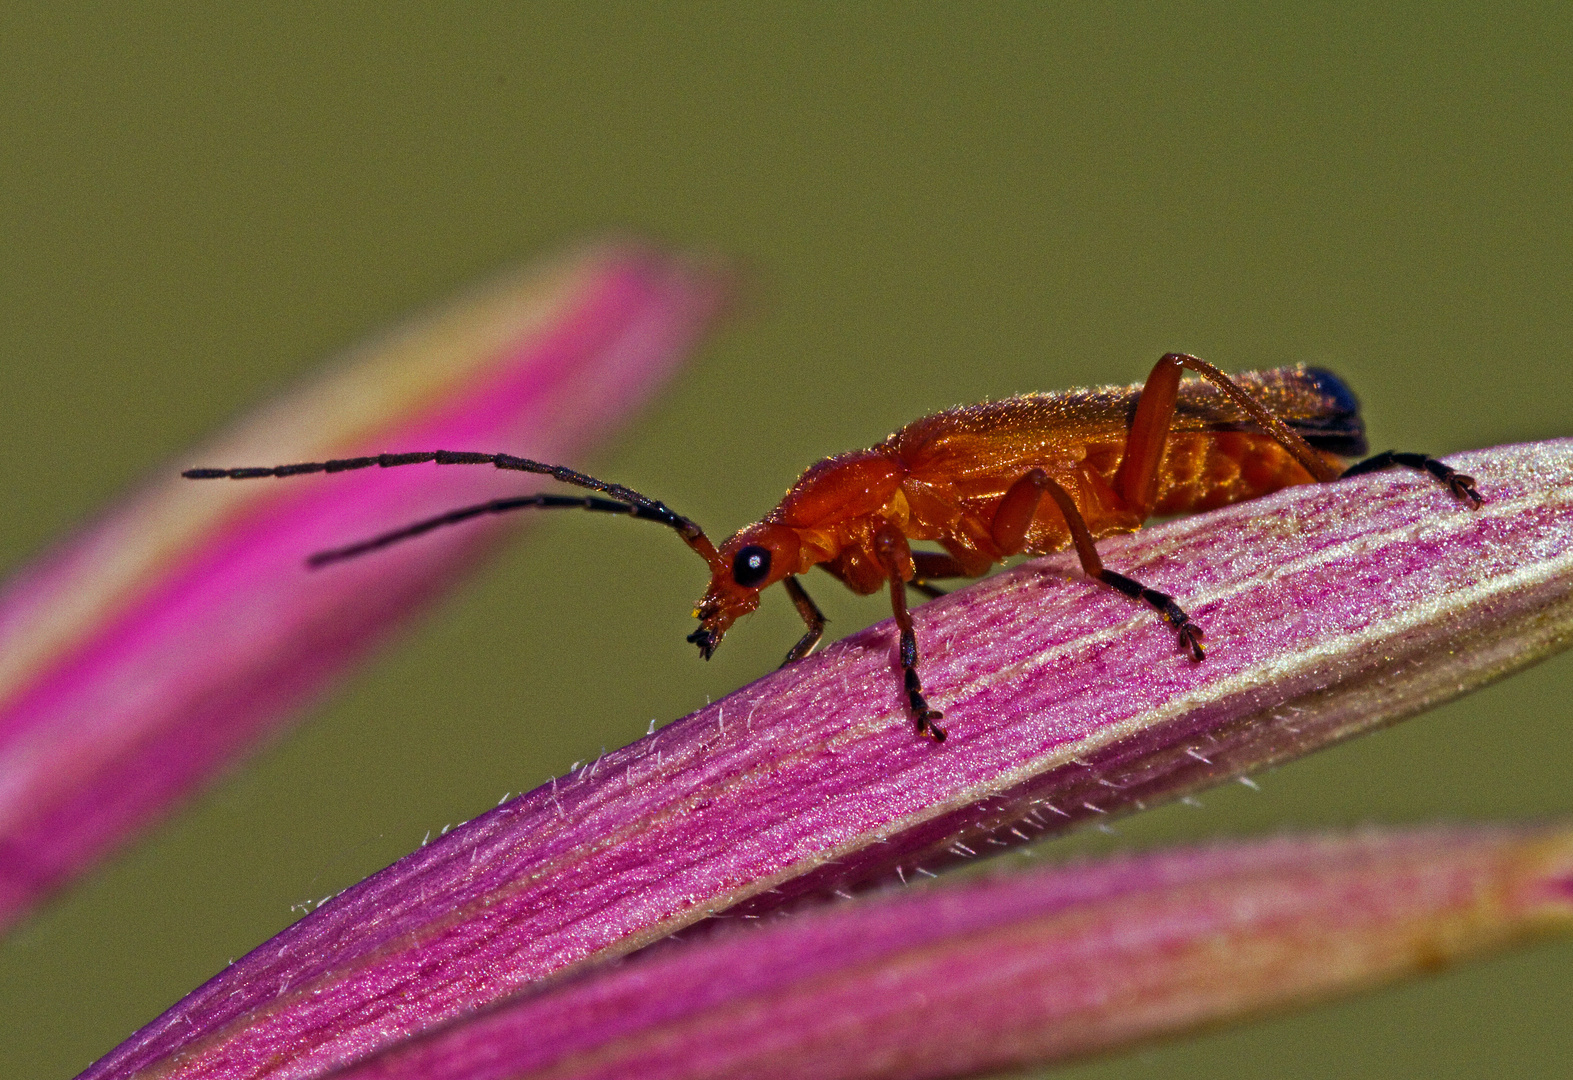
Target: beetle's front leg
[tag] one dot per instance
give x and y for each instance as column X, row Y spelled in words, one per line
column 811, row 615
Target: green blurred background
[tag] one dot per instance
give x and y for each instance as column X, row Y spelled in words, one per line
column 936, row 205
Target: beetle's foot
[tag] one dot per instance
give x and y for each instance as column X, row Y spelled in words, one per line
column 1191, row 640
column 1462, row 487
column 1171, row 613
column 923, row 716
column 927, row 727
column 1190, row 634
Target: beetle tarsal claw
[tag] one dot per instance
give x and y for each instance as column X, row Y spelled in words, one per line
column 1464, row 487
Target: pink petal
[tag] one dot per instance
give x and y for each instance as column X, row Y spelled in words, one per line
column 181, row 627
column 1329, row 610
column 1024, row 969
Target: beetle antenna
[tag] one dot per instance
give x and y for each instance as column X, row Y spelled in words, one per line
column 628, row 500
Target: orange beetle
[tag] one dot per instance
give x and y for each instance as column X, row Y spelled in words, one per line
column 1028, row 475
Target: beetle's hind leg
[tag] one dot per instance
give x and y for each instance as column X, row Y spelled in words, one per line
column 1460, row 485
column 1016, row 512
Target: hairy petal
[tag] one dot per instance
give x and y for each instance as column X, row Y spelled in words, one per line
column 1329, row 610
column 172, row 633
column 1026, row 969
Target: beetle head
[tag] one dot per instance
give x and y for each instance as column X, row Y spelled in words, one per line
column 752, row 560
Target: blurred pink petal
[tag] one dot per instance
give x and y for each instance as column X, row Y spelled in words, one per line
column 956, row 980
column 179, row 628
column 1329, row 610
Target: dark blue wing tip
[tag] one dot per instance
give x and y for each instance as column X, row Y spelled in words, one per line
column 1338, row 429
column 1332, row 386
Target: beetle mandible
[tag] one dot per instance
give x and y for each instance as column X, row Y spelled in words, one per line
column 1031, row 474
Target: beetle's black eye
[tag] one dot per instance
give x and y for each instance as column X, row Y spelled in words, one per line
column 751, row 566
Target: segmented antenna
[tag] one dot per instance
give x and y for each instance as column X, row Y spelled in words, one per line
column 467, row 513
column 627, row 500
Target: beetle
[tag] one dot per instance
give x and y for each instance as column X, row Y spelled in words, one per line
column 1030, row 474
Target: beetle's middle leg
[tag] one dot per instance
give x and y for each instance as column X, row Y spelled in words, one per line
column 890, row 547
column 929, row 565
column 1014, row 515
